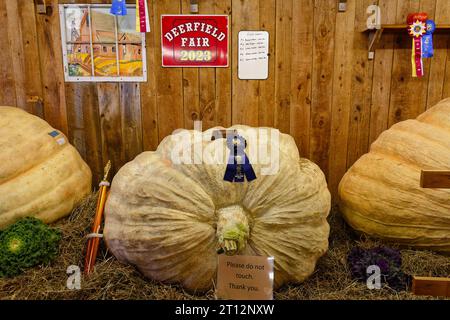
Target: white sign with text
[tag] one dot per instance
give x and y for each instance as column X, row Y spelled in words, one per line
column 253, row 55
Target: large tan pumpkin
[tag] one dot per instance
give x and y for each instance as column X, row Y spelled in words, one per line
column 169, row 219
column 381, row 195
column 40, row 175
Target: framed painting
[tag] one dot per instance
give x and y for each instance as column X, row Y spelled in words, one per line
column 100, row 47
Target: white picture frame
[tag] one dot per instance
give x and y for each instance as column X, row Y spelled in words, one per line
column 98, row 78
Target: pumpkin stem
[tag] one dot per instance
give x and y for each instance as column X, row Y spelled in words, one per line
column 232, row 229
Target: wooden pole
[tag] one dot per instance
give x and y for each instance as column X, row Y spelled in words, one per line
column 94, row 237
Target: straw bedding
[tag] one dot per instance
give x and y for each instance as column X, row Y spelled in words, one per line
column 113, row 280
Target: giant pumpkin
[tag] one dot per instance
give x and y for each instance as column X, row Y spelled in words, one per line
column 169, row 218
column 381, row 196
column 41, row 174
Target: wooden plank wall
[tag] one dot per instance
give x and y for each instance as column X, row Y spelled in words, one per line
column 322, row 89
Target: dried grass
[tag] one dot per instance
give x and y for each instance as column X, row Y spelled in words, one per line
column 114, row 281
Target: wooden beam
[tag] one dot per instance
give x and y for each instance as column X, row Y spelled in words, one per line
column 429, row 286
column 435, row 179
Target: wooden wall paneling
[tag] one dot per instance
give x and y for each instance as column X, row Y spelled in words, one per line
column 446, row 87
column 283, row 55
column 301, row 71
column 84, row 130
column 113, row 117
column 361, row 89
column 223, row 100
column 75, row 100
column 191, row 84
column 267, row 22
column 382, row 73
column 245, row 93
column 92, row 131
column 149, row 110
column 51, row 66
column 8, row 91
column 111, row 124
column 109, row 113
column 169, row 81
column 207, row 82
column 438, row 62
column 131, row 121
column 403, row 104
column 321, row 89
column 322, row 81
column 267, row 103
column 341, row 99
column 88, row 125
column 428, row 6
column 25, row 55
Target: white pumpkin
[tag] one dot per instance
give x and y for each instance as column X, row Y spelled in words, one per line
column 169, row 219
column 41, row 174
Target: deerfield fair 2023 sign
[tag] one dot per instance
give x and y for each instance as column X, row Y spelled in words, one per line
column 194, row 40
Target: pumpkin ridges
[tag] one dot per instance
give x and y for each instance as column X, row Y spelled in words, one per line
column 199, row 268
column 291, row 250
column 439, row 116
column 32, row 182
column 388, row 145
column 152, row 164
column 400, row 234
column 25, row 170
column 361, row 183
column 45, row 198
column 207, row 177
column 37, row 147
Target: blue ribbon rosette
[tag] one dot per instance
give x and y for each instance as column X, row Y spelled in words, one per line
column 119, row 8
column 238, row 167
column 427, row 40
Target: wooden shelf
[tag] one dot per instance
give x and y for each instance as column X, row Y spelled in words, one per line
column 398, row 27
column 375, row 34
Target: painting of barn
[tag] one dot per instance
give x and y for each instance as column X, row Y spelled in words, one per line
column 102, row 45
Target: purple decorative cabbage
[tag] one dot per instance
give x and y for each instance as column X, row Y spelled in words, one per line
column 388, row 260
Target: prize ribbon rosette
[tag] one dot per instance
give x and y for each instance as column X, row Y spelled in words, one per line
column 119, row 8
column 239, row 166
column 142, row 17
column 427, row 40
column 417, row 29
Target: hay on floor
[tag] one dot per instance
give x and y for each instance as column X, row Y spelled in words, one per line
column 112, row 280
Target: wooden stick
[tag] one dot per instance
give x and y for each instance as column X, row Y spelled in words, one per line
column 93, row 243
column 430, row 286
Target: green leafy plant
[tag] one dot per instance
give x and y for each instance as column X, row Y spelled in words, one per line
column 27, row 243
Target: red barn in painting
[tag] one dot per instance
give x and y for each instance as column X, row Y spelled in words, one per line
column 104, row 38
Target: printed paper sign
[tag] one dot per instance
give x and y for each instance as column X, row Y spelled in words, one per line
column 253, row 55
column 245, row 278
column 194, row 40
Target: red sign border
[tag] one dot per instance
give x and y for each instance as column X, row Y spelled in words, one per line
column 196, row 15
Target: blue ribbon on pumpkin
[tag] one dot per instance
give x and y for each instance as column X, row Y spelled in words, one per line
column 239, row 166
column 119, row 8
column 427, row 40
